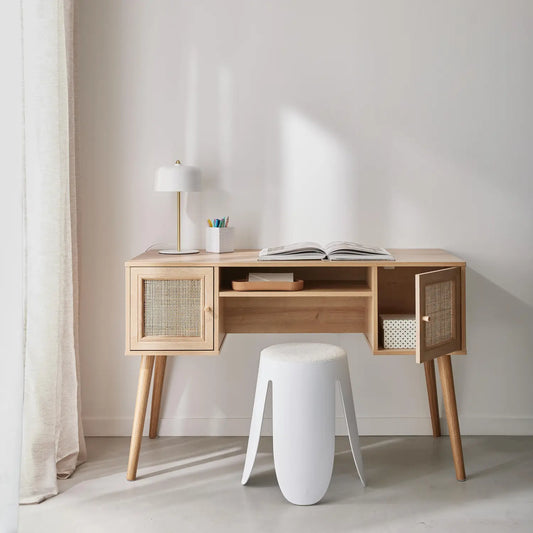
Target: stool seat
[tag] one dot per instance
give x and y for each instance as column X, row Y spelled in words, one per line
column 303, row 377
column 303, row 352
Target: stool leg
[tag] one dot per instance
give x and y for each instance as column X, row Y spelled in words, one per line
column 255, row 425
column 303, row 429
column 351, row 422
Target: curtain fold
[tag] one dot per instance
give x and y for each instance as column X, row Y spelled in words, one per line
column 52, row 443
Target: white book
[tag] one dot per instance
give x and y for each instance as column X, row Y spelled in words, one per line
column 334, row 251
column 270, row 276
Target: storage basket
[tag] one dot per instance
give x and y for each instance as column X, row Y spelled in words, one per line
column 399, row 331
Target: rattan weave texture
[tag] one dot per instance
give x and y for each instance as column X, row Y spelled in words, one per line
column 440, row 305
column 172, row 307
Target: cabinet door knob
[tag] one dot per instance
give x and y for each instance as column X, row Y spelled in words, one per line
column 426, row 318
column 208, row 309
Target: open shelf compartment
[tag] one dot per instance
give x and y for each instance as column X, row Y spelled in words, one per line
column 395, row 296
column 333, row 300
column 332, row 282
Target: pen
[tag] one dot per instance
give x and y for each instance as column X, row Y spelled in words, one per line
column 218, row 222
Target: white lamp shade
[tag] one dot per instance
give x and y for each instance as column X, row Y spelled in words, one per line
column 177, row 178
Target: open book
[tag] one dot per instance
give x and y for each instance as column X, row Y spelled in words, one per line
column 334, row 251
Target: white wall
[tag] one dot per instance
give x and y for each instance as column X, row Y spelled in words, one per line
column 416, row 114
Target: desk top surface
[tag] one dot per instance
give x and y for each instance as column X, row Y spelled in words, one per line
column 248, row 258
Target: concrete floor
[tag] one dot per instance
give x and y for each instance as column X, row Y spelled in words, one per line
column 192, row 484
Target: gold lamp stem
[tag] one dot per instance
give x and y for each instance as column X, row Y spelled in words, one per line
column 179, row 219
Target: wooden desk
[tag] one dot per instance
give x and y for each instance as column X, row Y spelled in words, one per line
column 184, row 305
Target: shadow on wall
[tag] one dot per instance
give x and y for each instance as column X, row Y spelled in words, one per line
column 499, row 340
column 272, row 157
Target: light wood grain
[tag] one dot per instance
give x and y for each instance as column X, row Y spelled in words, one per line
column 450, row 406
column 431, row 385
column 463, row 310
column 218, row 317
column 296, row 315
column 143, row 389
column 396, row 294
column 396, row 289
column 248, row 258
column 373, row 308
column 312, row 288
column 138, row 341
column 214, row 351
column 399, row 351
column 159, row 377
column 390, row 289
column 312, row 271
column 128, row 309
column 424, row 352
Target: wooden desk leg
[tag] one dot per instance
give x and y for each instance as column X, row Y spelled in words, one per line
column 431, row 384
column 143, row 388
column 159, row 376
column 448, row 393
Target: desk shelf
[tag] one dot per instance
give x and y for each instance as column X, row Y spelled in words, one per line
column 312, row 288
column 401, row 291
column 395, row 351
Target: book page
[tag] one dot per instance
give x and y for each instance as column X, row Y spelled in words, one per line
column 353, row 247
column 297, row 247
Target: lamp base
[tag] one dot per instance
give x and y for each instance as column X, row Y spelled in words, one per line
column 178, row 252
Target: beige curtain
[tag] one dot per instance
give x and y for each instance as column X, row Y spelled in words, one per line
column 52, row 443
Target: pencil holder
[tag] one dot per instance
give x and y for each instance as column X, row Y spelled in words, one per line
column 219, row 240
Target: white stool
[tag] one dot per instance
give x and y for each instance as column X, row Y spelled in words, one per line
column 303, row 377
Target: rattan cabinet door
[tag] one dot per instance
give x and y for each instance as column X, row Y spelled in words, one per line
column 171, row 308
column 438, row 313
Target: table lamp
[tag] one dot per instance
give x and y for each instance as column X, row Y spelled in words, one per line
column 178, row 178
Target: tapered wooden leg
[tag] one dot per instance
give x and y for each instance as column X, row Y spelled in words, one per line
column 431, row 384
column 448, row 393
column 143, row 388
column 159, row 376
